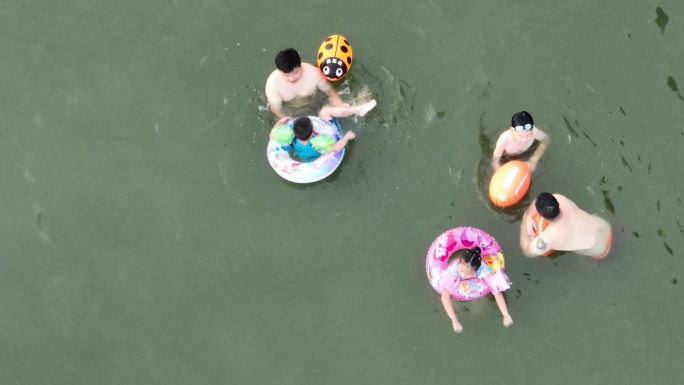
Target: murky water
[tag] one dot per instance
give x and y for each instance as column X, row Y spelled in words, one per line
column 145, row 239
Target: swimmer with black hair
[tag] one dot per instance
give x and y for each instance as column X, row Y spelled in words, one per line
column 295, row 83
column 518, row 139
column 302, row 146
column 554, row 222
column 467, row 266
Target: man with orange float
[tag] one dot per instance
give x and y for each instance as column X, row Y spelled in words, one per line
column 518, row 139
column 554, row 222
column 295, row 84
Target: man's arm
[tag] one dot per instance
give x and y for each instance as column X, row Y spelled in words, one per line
column 536, row 247
column 334, row 98
column 324, row 86
column 526, row 239
column 275, row 102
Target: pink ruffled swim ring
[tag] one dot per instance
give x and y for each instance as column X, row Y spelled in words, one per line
column 490, row 276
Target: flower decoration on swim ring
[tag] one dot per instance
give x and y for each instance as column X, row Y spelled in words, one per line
column 334, row 57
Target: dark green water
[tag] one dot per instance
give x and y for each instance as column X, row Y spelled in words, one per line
column 145, row 239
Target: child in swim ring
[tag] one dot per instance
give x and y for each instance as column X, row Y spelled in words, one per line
column 301, row 144
column 466, row 268
column 518, row 139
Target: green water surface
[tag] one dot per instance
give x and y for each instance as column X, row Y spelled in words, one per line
column 146, row 240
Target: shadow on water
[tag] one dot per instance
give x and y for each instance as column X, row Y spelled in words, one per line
column 673, row 86
column 661, row 19
column 661, row 234
column 568, row 125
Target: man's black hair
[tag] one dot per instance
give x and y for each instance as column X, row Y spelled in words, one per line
column 288, row 60
column 547, row 206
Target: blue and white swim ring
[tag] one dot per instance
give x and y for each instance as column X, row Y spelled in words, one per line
column 307, row 172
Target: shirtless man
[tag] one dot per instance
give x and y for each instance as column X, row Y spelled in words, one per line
column 554, row 222
column 518, row 139
column 295, row 83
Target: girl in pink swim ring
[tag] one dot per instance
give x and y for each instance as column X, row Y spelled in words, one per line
column 478, row 272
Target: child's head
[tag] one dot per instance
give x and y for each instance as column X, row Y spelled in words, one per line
column 303, row 128
column 470, row 262
column 522, row 122
column 547, row 206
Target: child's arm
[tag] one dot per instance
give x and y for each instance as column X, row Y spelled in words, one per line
column 449, row 308
column 339, row 145
column 544, row 140
column 501, row 303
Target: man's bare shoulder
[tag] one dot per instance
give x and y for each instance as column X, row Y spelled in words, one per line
column 308, row 67
column 272, row 79
column 563, row 198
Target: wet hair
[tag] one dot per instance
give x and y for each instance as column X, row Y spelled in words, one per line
column 303, row 128
column 288, row 60
column 473, row 258
column 521, row 118
column 547, row 206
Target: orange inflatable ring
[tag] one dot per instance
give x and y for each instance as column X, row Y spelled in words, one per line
column 510, row 183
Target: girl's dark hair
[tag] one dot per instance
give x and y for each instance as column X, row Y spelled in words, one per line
column 288, row 60
column 547, row 206
column 521, row 118
column 473, row 257
column 303, row 128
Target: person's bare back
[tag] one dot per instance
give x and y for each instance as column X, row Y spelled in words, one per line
column 572, row 229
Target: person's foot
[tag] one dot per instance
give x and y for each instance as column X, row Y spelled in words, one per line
column 362, row 109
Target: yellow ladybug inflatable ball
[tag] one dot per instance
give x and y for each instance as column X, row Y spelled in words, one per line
column 334, row 57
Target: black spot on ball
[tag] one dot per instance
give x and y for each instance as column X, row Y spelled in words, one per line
column 346, row 42
column 344, row 49
column 329, row 38
column 348, row 60
column 320, row 55
column 328, row 46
